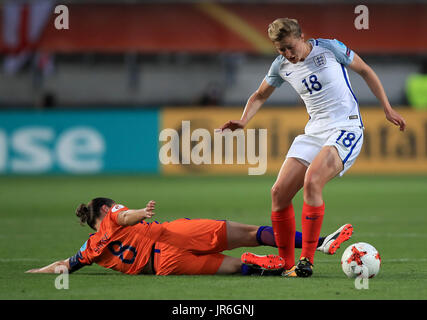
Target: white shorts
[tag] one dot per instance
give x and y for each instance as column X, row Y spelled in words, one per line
column 347, row 140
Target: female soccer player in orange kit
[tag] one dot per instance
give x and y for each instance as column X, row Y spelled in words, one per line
column 333, row 137
column 125, row 242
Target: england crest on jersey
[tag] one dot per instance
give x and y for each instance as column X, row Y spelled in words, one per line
column 320, row 60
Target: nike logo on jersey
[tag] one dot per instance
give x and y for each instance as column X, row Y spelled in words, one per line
column 288, row 73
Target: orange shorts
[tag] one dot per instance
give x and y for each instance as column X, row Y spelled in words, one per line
column 190, row 246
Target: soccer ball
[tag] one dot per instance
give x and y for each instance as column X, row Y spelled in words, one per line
column 361, row 259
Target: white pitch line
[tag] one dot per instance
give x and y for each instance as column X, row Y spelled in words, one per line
column 392, row 235
column 385, row 260
column 405, row 260
column 24, row 260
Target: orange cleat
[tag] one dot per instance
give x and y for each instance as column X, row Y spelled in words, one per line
column 269, row 264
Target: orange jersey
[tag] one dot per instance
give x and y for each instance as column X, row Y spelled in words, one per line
column 191, row 246
column 125, row 249
column 183, row 246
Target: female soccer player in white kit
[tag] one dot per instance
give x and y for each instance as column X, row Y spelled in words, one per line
column 333, row 137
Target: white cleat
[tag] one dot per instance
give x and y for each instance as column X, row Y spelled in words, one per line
column 333, row 241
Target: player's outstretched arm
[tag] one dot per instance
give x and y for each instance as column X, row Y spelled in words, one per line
column 255, row 101
column 374, row 83
column 132, row 217
column 55, row 267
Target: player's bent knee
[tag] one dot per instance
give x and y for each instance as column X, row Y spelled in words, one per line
column 275, row 191
column 313, row 180
column 313, row 185
column 280, row 198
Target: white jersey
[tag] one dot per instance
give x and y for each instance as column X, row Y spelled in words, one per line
column 322, row 82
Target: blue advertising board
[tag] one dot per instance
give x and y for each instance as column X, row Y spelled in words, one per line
column 79, row 142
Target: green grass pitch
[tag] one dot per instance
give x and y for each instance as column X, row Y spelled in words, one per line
column 38, row 226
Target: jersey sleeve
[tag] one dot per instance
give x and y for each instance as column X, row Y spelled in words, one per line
column 80, row 259
column 115, row 210
column 343, row 54
column 273, row 77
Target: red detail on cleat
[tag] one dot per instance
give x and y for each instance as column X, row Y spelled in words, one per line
column 345, row 234
column 268, row 262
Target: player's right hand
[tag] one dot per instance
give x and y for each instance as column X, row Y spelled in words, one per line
column 149, row 209
column 233, row 125
column 395, row 118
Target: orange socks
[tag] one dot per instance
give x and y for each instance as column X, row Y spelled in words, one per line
column 283, row 223
column 312, row 218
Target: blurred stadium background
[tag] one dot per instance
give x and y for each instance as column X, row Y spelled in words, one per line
column 81, row 111
column 147, row 65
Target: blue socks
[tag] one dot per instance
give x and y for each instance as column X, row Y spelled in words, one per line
column 265, row 237
column 246, row 270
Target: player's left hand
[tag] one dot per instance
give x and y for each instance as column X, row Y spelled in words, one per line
column 233, row 125
column 33, row 271
column 395, row 118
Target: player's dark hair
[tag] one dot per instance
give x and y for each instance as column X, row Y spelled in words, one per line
column 88, row 213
